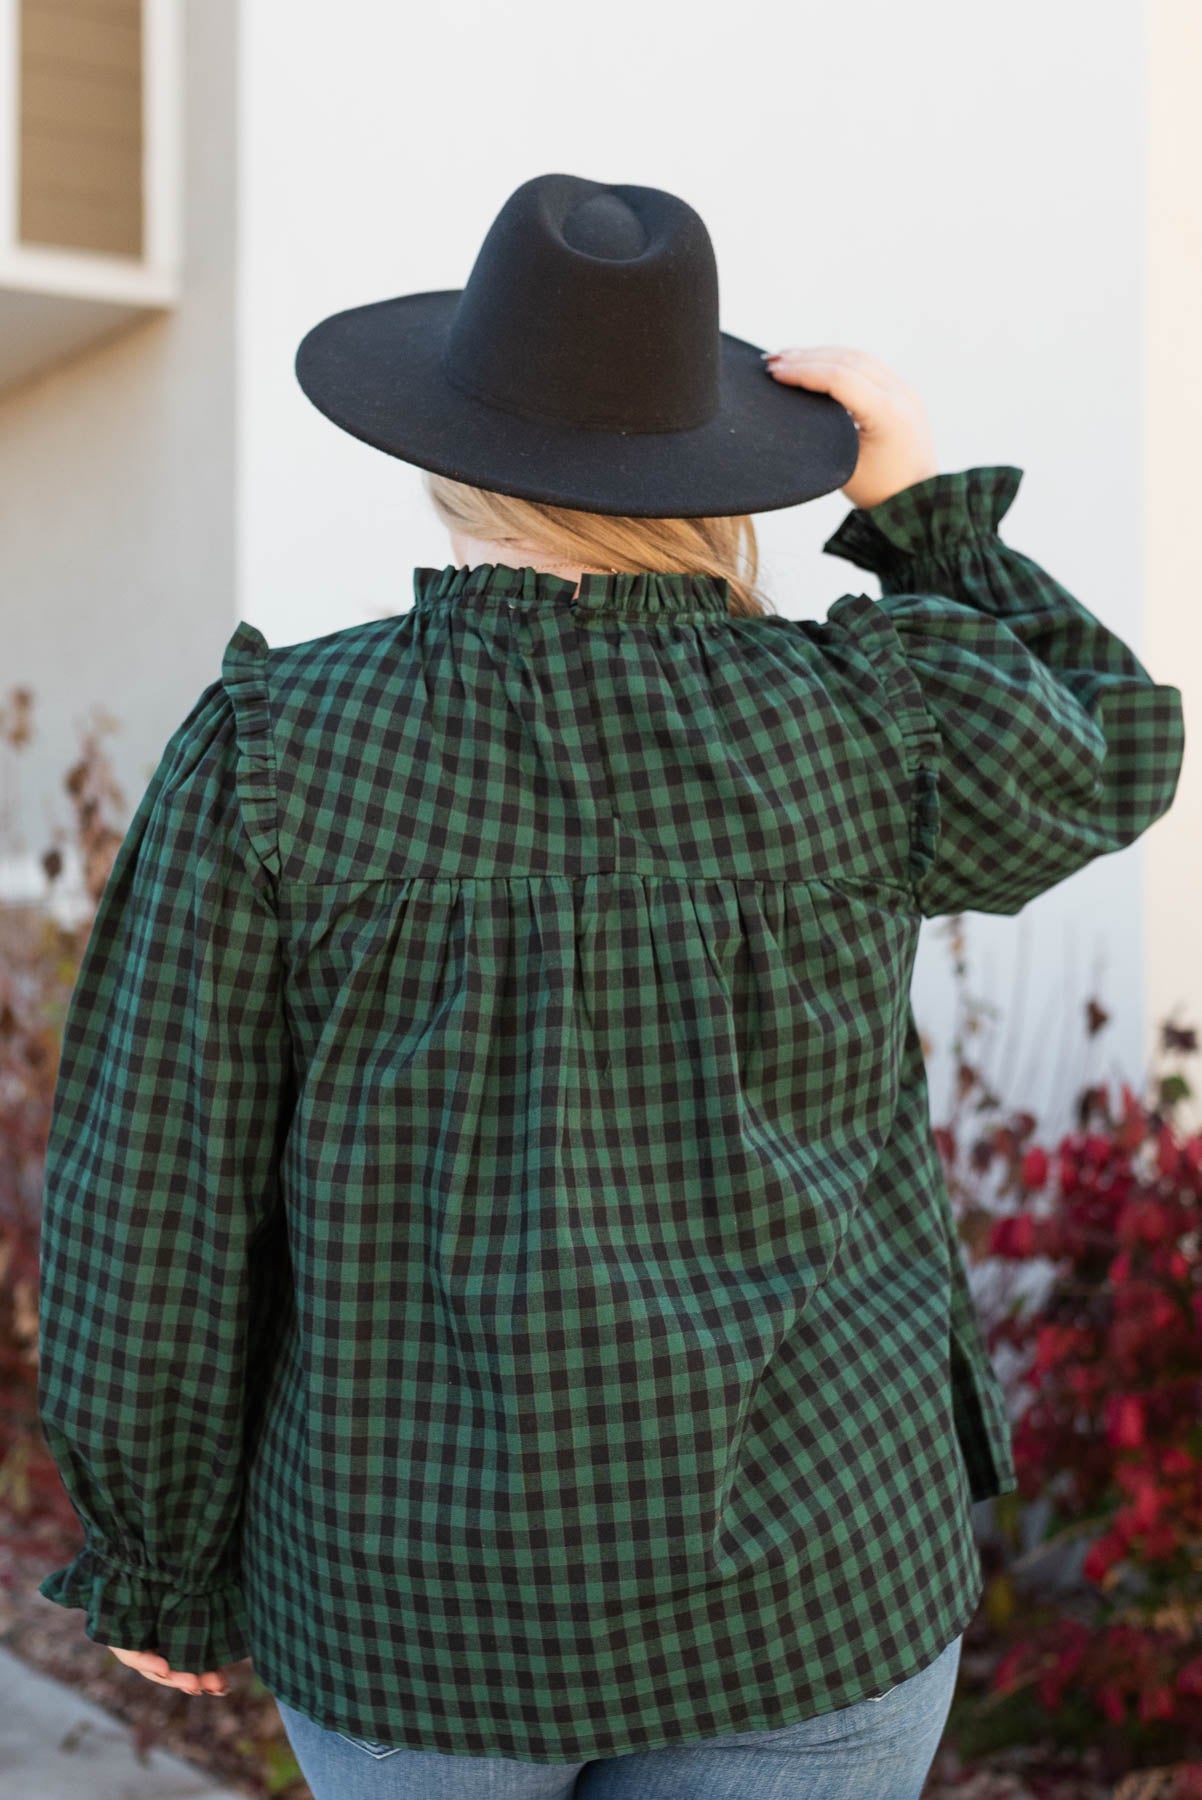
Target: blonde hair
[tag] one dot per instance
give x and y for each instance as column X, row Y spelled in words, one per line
column 721, row 546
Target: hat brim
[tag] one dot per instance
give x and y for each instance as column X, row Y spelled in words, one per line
column 375, row 371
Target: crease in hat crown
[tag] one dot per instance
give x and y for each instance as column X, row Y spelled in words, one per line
column 632, row 269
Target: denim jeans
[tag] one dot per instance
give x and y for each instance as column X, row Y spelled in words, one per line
column 876, row 1749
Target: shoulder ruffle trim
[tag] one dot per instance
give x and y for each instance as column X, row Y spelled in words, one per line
column 244, row 674
column 871, row 627
column 197, row 1628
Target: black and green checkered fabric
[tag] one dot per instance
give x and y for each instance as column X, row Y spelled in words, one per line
column 496, row 1266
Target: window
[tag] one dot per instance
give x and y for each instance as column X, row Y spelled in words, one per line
column 89, row 173
column 80, row 130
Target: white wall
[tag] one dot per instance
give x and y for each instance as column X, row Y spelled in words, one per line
column 117, row 495
column 1171, row 864
column 958, row 191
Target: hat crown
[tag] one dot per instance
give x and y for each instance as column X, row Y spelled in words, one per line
column 594, row 306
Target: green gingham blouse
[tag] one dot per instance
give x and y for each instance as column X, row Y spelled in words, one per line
column 496, row 1266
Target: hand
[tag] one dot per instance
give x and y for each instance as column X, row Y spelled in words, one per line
column 157, row 1668
column 896, row 448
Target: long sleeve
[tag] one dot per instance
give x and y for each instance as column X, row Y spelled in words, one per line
column 1038, row 740
column 173, row 1088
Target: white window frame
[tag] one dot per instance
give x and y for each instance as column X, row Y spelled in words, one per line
column 152, row 280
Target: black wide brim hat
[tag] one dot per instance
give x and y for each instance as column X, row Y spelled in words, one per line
column 582, row 366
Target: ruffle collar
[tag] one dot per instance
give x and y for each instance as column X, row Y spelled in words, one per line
column 488, row 584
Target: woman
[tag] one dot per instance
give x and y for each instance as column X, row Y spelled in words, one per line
column 496, row 1268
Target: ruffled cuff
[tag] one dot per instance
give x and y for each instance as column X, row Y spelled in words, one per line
column 195, row 1627
column 926, row 521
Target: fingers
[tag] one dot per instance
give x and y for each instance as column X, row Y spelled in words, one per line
column 851, row 385
column 146, row 1662
column 156, row 1668
column 191, row 1684
column 895, row 446
column 846, row 356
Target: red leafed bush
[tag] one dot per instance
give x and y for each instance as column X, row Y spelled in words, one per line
column 1093, row 1601
column 39, row 963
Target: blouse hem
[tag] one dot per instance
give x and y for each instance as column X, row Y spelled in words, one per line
column 770, row 1717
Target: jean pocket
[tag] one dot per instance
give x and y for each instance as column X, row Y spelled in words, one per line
column 372, row 1749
